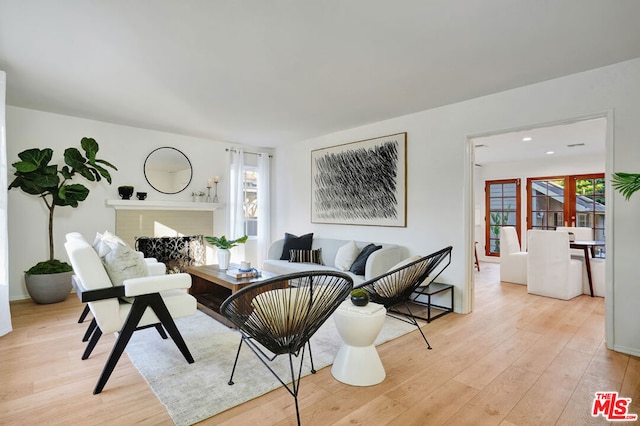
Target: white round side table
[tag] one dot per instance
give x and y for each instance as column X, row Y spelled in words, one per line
column 357, row 362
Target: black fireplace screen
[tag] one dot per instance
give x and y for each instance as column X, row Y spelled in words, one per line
column 176, row 252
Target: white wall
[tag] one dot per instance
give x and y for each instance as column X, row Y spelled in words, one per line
column 584, row 164
column 440, row 194
column 125, row 147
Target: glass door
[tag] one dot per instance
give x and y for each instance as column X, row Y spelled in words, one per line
column 575, row 200
column 546, row 202
column 503, row 209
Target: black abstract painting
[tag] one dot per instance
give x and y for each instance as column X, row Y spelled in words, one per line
column 360, row 182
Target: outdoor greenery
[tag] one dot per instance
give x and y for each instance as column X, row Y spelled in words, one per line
column 223, row 243
column 498, row 220
column 591, row 188
column 35, row 176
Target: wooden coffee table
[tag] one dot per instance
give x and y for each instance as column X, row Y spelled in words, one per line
column 211, row 286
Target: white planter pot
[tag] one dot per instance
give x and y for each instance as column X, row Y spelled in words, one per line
column 223, row 258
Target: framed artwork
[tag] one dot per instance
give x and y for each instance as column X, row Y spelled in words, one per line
column 361, row 183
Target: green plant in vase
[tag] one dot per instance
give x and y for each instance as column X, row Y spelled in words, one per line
column 224, row 245
column 35, row 176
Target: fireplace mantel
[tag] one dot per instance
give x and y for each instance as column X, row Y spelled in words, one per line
column 162, row 205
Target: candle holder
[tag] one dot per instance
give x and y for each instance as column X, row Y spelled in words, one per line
column 208, row 199
column 215, row 197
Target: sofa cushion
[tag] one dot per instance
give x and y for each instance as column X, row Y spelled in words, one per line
column 346, row 255
column 394, row 283
column 404, row 262
column 306, row 256
column 361, row 261
column 282, row 267
column 291, row 242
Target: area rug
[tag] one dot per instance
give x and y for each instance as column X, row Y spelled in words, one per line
column 193, row 392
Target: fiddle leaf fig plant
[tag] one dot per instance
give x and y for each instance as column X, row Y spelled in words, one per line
column 51, row 183
column 223, row 243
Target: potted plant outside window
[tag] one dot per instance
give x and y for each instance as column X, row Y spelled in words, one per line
column 50, row 281
column 223, row 245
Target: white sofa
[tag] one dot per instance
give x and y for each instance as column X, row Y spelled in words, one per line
column 379, row 262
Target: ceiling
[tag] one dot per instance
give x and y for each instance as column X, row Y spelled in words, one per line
column 570, row 139
column 265, row 73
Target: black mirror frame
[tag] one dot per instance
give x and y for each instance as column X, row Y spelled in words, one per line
column 144, row 169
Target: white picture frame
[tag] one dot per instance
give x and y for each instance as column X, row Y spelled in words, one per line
column 361, row 183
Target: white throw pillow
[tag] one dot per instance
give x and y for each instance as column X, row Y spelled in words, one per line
column 346, row 255
column 119, row 260
column 100, row 242
column 122, row 263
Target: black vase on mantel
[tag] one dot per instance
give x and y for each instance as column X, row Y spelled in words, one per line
column 125, row 192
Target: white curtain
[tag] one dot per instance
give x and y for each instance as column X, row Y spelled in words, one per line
column 5, row 314
column 236, row 218
column 264, row 217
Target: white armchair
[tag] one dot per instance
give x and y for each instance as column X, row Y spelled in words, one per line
column 513, row 261
column 581, row 233
column 551, row 271
column 156, row 301
column 597, row 265
column 153, row 268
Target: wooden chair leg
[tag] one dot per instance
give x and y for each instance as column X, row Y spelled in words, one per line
column 84, row 314
column 124, row 336
column 97, row 333
column 161, row 331
column 156, row 303
column 475, row 250
column 92, row 326
column 140, row 304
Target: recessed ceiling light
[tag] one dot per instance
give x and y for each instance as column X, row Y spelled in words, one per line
column 549, row 152
column 527, row 139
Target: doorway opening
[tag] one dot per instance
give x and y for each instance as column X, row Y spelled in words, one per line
column 575, row 147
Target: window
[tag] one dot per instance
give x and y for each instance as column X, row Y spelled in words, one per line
column 250, row 200
column 546, row 203
column 574, row 200
column 590, row 204
column 503, row 209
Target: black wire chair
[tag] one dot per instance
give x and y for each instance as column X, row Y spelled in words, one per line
column 279, row 315
column 395, row 287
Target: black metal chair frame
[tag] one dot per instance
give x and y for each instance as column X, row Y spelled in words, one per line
column 411, row 276
column 327, row 290
column 140, row 304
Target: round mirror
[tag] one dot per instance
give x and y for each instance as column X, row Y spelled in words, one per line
column 168, row 170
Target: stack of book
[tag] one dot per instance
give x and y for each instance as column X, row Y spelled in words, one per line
column 237, row 273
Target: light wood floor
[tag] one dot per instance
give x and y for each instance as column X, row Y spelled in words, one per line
column 517, row 359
